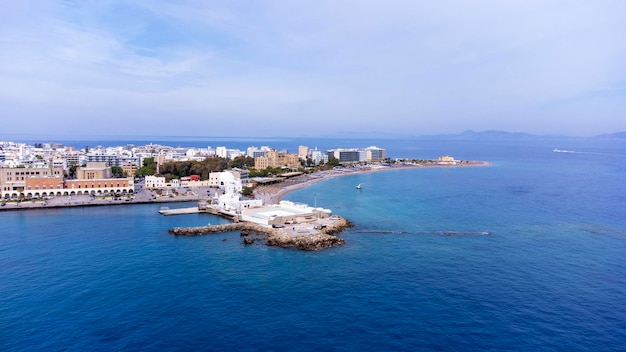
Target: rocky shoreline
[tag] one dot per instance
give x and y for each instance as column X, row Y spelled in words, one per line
column 278, row 237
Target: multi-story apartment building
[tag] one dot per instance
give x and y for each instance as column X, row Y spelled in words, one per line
column 303, row 152
column 318, row 156
column 108, row 159
column 274, row 158
column 255, row 152
column 376, row 154
column 344, row 155
column 129, row 169
column 353, row 155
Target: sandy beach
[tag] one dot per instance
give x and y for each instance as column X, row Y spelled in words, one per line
column 272, row 194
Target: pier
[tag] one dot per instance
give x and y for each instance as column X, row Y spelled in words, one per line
column 179, row 211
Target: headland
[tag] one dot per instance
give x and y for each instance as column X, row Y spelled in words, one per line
column 294, row 236
column 309, row 230
column 246, row 188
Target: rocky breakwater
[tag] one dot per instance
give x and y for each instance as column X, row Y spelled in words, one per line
column 322, row 238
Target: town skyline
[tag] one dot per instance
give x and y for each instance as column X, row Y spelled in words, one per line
column 264, row 69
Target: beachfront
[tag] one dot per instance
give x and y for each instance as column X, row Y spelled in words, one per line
column 311, row 230
column 272, row 194
column 269, row 194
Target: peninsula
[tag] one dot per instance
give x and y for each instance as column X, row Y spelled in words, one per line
column 246, row 188
column 282, row 223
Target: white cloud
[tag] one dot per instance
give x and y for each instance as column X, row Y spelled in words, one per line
column 436, row 67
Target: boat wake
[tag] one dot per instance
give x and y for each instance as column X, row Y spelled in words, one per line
column 556, row 150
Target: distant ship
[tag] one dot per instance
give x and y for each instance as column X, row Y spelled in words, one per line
column 556, row 150
column 359, row 186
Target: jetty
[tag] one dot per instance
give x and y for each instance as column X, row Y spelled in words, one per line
column 298, row 236
column 179, row 211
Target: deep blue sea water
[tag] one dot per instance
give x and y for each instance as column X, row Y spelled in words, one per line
column 551, row 274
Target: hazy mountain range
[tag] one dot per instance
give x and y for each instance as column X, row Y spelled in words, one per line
column 482, row 135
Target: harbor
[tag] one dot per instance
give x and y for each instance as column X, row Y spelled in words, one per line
column 267, row 218
column 284, row 224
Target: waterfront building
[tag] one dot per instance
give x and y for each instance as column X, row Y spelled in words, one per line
column 99, row 187
column 376, row 154
column 16, row 174
column 274, row 158
column 446, row 160
column 285, row 212
column 318, row 156
column 230, row 200
column 13, row 181
column 344, row 155
column 33, row 183
column 153, row 182
column 353, row 155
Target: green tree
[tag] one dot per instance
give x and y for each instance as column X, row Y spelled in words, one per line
column 241, row 162
column 332, row 162
column 177, row 169
column 117, row 172
column 148, row 168
column 72, row 172
column 268, row 171
column 247, row 191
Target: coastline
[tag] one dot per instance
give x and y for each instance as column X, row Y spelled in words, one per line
column 273, row 194
column 142, row 197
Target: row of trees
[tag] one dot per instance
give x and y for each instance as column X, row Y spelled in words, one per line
column 178, row 169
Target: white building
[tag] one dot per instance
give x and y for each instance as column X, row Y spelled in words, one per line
column 318, row 156
column 153, row 182
column 231, row 199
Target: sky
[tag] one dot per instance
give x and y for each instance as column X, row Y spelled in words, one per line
column 311, row 68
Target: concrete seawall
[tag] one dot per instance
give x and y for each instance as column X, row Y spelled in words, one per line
column 278, row 237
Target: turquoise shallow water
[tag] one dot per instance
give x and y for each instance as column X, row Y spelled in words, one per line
column 550, row 275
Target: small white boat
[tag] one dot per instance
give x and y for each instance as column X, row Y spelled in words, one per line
column 359, row 186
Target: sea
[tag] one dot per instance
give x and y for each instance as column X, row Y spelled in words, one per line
column 526, row 254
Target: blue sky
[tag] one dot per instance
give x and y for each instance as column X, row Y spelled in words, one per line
column 311, row 68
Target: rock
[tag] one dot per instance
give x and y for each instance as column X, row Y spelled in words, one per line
column 279, row 237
